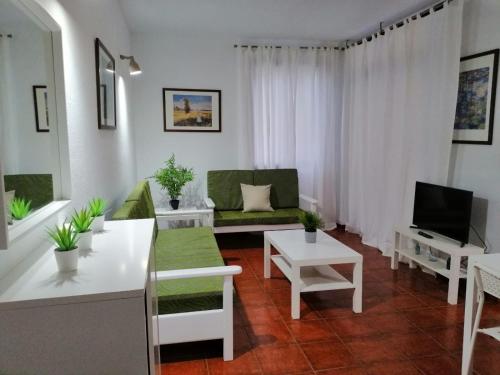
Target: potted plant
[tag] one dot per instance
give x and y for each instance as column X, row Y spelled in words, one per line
column 311, row 222
column 19, row 208
column 96, row 208
column 172, row 178
column 82, row 224
column 66, row 251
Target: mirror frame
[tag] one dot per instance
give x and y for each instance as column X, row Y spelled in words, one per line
column 99, row 48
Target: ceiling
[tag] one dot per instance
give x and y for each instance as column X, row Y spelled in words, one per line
column 253, row 20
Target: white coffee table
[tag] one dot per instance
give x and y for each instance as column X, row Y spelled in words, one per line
column 307, row 266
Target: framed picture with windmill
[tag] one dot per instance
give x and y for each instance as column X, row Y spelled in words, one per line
column 191, row 110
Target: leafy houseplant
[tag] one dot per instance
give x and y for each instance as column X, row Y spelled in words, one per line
column 96, row 208
column 19, row 208
column 172, row 178
column 311, row 222
column 82, row 224
column 66, row 251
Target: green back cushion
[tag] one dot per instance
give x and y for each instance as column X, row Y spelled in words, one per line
column 285, row 186
column 225, row 190
column 37, row 188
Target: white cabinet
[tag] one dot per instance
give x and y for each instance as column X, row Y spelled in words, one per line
column 97, row 320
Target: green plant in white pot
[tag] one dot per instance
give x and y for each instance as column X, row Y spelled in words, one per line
column 66, row 251
column 173, row 178
column 97, row 206
column 311, row 222
column 82, row 224
column 19, row 208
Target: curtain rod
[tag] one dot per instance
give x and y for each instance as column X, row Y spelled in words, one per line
column 268, row 46
column 423, row 13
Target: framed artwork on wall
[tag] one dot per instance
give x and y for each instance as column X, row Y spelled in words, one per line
column 105, row 83
column 41, row 108
column 475, row 113
column 190, row 110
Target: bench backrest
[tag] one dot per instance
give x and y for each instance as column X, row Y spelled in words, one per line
column 37, row 188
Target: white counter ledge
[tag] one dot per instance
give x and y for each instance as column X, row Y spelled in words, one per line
column 116, row 268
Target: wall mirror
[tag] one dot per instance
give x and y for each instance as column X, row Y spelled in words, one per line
column 105, row 83
column 30, row 153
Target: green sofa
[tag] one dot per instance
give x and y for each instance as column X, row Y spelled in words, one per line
column 194, row 288
column 226, row 201
column 178, row 249
column 37, row 188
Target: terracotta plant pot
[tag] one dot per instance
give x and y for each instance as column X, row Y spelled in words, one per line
column 67, row 261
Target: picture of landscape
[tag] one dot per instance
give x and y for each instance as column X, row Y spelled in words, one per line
column 192, row 110
column 472, row 99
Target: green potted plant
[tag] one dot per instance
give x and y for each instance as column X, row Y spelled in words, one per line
column 82, row 224
column 19, row 208
column 66, row 251
column 96, row 208
column 173, row 178
column 311, row 222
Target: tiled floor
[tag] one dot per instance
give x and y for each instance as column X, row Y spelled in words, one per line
column 406, row 326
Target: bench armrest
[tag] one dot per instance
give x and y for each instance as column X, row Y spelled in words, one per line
column 311, row 204
column 198, row 272
column 209, row 203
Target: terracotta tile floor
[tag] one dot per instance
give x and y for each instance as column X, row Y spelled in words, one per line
column 406, row 326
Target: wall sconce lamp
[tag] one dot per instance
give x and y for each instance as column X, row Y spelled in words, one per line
column 134, row 68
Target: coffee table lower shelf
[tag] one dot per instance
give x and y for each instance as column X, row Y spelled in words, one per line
column 314, row 278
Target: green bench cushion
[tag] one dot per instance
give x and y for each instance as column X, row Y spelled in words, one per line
column 279, row 216
column 37, row 188
column 284, row 186
column 183, row 249
column 225, row 190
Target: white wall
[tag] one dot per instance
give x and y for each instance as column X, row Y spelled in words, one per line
column 477, row 167
column 194, row 62
column 102, row 162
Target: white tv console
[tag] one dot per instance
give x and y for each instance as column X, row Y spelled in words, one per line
column 438, row 242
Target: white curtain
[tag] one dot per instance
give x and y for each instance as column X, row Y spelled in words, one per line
column 400, row 94
column 290, row 110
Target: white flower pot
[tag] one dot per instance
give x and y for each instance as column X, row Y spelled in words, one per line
column 85, row 240
column 66, row 260
column 98, row 224
column 310, row 236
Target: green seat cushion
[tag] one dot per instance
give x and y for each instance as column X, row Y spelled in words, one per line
column 37, row 188
column 284, row 186
column 278, row 216
column 183, row 249
column 225, row 190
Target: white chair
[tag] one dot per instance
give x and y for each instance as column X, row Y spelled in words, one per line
column 487, row 280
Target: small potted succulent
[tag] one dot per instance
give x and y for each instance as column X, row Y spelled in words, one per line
column 172, row 178
column 82, row 224
column 96, row 208
column 311, row 222
column 19, row 208
column 66, row 251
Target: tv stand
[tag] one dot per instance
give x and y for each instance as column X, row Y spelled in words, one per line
column 454, row 249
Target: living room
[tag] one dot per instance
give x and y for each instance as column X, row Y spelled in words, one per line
column 276, row 116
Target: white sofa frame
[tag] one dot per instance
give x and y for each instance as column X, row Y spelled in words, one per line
column 305, row 203
column 201, row 325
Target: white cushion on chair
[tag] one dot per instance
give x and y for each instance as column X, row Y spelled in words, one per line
column 256, row 197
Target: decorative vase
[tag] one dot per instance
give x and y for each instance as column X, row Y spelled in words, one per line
column 174, row 203
column 98, row 224
column 310, row 236
column 66, row 260
column 85, row 240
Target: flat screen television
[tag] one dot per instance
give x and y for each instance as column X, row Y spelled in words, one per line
column 443, row 210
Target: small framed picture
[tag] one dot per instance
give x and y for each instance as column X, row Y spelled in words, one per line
column 40, row 101
column 106, row 90
column 187, row 110
column 475, row 113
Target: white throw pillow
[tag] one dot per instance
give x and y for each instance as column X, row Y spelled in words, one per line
column 256, row 197
column 9, row 196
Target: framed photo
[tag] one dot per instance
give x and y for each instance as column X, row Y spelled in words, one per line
column 105, row 83
column 40, row 101
column 186, row 110
column 475, row 113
